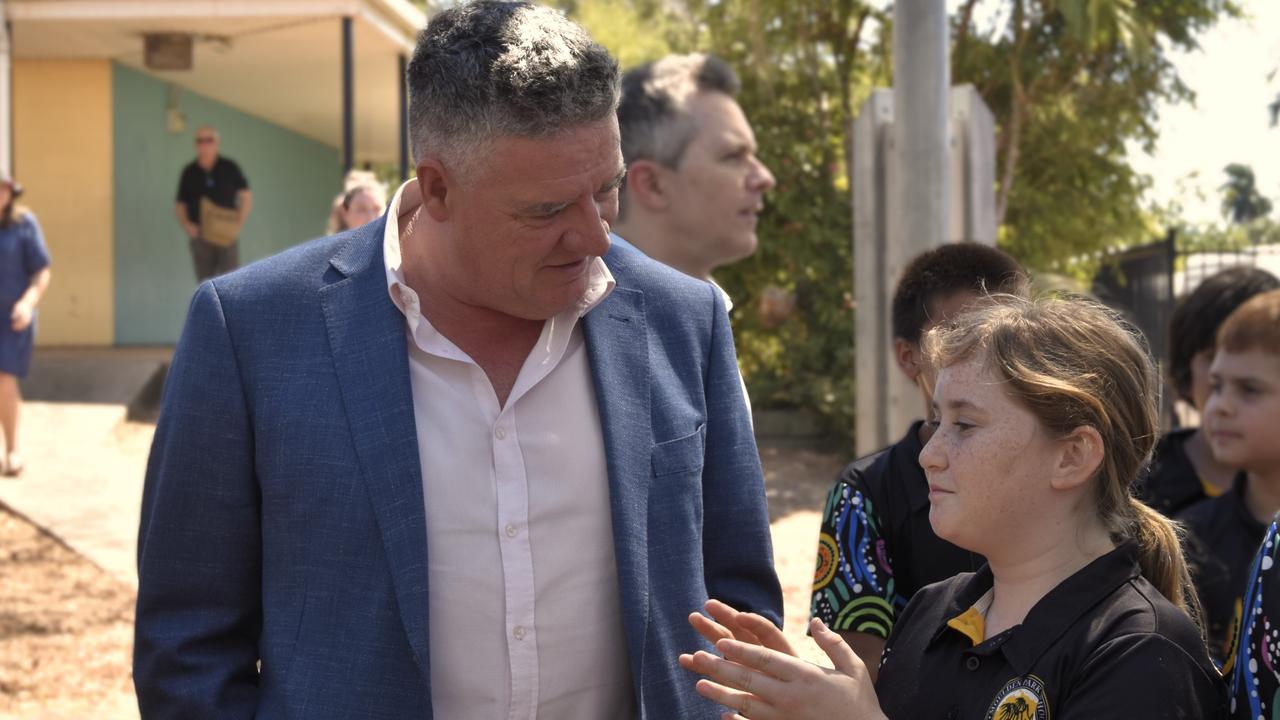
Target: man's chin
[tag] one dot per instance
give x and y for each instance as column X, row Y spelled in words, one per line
column 740, row 248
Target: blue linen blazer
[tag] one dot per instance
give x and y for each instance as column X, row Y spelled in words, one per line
column 282, row 550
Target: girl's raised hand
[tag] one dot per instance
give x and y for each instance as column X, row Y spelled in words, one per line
column 726, row 622
column 759, row 682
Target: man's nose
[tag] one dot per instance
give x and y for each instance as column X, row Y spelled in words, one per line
column 761, row 179
column 590, row 234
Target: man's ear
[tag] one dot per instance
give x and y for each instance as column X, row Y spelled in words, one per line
column 907, row 355
column 646, row 185
column 435, row 184
column 1081, row 454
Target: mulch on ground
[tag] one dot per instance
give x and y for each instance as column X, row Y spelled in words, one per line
column 66, row 627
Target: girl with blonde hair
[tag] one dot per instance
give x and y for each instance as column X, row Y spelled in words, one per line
column 1047, row 412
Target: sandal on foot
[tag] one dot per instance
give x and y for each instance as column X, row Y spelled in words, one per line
column 14, row 465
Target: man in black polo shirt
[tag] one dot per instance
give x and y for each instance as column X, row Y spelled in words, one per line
column 876, row 547
column 219, row 179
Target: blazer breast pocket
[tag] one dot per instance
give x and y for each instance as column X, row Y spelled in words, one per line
column 682, row 455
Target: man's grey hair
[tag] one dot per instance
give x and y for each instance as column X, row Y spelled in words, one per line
column 654, row 116
column 490, row 69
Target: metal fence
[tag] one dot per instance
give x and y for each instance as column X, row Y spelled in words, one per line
column 1145, row 283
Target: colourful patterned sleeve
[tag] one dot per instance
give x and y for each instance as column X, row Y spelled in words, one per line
column 1254, row 671
column 853, row 586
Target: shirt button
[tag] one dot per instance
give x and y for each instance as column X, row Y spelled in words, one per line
column 518, row 632
column 972, row 662
column 510, row 530
column 500, row 433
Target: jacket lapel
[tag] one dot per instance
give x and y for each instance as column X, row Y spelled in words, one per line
column 617, row 346
column 367, row 338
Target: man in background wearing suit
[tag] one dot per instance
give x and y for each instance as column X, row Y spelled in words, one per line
column 695, row 188
column 470, row 460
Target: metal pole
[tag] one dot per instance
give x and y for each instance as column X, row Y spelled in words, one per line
column 918, row 202
column 348, row 97
column 404, row 120
column 921, row 86
column 6, row 92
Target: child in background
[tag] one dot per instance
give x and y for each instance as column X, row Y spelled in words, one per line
column 876, row 547
column 363, row 200
column 1242, row 421
column 1184, row 470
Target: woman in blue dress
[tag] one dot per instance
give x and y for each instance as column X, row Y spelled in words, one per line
column 24, row 275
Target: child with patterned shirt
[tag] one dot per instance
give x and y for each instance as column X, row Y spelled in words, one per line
column 1255, row 674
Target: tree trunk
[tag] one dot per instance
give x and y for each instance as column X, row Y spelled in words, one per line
column 1011, row 135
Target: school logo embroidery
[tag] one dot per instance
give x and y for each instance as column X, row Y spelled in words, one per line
column 1020, row 699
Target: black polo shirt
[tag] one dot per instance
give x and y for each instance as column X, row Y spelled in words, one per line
column 1171, row 484
column 220, row 184
column 1255, row 685
column 1103, row 644
column 1222, row 538
column 876, row 547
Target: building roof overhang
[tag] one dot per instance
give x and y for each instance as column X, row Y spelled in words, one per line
column 280, row 60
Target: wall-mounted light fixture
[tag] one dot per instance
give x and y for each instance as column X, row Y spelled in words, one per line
column 168, row 51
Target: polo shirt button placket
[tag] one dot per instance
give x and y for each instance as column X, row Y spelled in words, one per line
column 972, row 663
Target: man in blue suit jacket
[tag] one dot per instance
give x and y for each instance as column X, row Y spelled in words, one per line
column 453, row 463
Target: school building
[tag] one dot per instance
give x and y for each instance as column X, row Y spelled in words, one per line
column 99, row 103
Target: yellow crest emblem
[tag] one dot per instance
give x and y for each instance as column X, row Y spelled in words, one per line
column 1020, row 699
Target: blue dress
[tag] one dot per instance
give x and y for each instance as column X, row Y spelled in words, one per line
column 22, row 255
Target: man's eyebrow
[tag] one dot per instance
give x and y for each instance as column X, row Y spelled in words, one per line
column 550, row 208
column 616, row 182
column 546, row 208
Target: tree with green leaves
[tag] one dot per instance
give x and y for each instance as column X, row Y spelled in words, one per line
column 1071, row 83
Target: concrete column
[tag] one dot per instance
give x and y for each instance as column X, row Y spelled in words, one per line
column 871, row 288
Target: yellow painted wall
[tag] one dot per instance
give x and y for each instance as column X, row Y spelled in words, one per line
column 62, row 112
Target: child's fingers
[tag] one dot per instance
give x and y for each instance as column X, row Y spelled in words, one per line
column 841, row 655
column 709, row 629
column 727, row 616
column 766, row 632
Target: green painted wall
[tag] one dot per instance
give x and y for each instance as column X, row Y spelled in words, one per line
column 293, row 180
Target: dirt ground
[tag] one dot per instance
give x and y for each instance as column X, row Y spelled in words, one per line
column 66, row 626
column 66, row 630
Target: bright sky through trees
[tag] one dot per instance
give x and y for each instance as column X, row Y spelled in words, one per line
column 1230, row 122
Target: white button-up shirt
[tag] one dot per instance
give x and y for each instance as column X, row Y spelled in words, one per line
column 525, row 617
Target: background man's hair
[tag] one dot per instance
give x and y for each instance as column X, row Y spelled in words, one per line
column 1194, row 325
column 489, row 69
column 936, row 274
column 653, row 115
